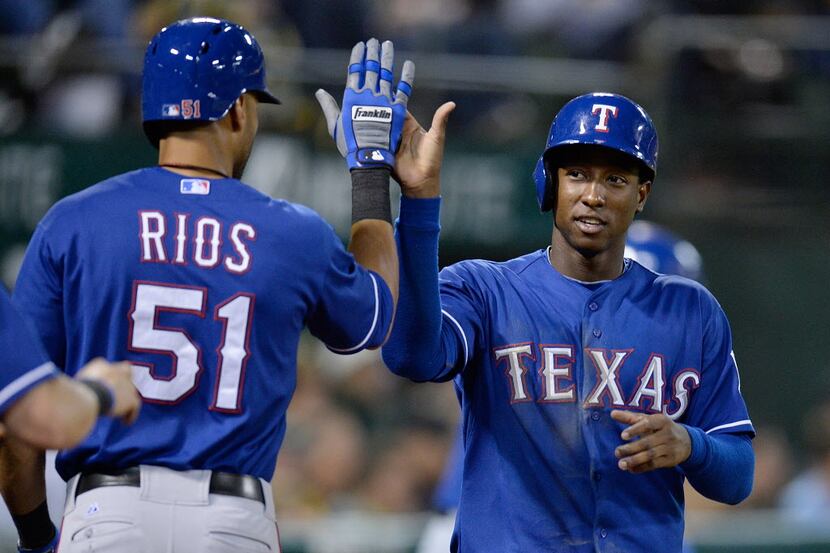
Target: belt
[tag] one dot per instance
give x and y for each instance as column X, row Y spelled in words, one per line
column 222, row 483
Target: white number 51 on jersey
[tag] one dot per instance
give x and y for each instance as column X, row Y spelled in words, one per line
column 147, row 336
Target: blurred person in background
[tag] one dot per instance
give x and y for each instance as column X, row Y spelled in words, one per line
column 347, row 443
column 806, row 500
column 41, row 408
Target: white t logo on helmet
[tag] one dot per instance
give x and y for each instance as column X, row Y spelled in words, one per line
column 604, row 110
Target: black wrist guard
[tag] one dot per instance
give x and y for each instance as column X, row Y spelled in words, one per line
column 103, row 393
column 370, row 194
column 34, row 528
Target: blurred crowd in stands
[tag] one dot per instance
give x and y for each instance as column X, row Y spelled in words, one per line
column 38, row 36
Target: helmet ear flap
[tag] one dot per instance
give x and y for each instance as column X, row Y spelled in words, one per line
column 540, row 177
column 545, row 189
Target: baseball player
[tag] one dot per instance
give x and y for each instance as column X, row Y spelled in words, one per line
column 41, row 408
column 205, row 285
column 590, row 385
column 653, row 247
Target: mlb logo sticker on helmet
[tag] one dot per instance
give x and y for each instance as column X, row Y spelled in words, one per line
column 170, row 110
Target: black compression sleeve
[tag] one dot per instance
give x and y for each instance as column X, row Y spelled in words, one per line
column 370, row 194
column 35, row 528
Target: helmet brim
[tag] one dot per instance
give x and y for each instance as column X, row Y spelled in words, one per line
column 265, row 96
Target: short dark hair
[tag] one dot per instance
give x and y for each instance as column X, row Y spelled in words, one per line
column 156, row 130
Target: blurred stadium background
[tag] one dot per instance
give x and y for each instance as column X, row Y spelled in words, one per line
column 739, row 90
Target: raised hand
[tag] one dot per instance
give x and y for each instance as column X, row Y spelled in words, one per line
column 418, row 162
column 368, row 130
column 658, row 442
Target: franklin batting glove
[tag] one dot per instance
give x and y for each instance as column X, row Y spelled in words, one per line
column 368, row 130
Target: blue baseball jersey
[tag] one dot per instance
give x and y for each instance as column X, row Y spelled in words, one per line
column 23, row 362
column 205, row 285
column 543, row 359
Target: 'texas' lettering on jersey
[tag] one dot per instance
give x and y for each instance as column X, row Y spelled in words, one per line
column 555, row 368
column 206, row 236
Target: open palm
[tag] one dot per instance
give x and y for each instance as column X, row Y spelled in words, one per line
column 419, row 158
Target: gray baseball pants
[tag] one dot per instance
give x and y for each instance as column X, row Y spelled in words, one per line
column 170, row 512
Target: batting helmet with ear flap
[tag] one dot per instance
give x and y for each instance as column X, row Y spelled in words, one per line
column 598, row 119
column 195, row 69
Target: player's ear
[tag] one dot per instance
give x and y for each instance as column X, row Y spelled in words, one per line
column 236, row 114
column 644, row 189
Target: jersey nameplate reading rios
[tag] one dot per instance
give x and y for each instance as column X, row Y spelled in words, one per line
column 198, row 240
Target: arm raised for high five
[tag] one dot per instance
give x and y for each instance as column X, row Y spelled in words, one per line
column 419, row 159
column 367, row 133
column 422, row 346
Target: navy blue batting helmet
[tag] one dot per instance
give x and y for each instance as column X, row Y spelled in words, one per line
column 660, row 250
column 600, row 119
column 195, row 69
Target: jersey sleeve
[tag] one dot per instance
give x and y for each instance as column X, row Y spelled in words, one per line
column 23, row 364
column 38, row 294
column 463, row 311
column 354, row 306
column 717, row 405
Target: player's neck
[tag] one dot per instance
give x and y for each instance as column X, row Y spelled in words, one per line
column 192, row 157
column 574, row 264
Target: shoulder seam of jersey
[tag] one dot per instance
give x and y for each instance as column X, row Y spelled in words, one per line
column 528, row 264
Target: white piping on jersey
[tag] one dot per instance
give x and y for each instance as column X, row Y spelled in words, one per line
column 730, row 425
column 371, row 330
column 737, row 371
column 25, row 380
column 463, row 336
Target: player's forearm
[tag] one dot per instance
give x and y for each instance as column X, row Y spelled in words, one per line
column 372, row 240
column 55, row 415
column 415, row 347
column 721, row 466
column 373, row 245
column 22, row 483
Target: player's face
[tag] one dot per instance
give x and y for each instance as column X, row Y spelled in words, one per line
column 250, row 128
column 598, row 193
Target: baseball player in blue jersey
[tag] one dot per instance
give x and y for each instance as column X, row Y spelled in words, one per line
column 653, row 247
column 205, row 285
column 591, row 386
column 40, row 408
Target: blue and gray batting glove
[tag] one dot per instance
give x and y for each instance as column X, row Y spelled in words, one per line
column 368, row 130
column 50, row 547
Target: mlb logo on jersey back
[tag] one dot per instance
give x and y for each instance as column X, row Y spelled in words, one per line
column 195, row 186
column 170, row 110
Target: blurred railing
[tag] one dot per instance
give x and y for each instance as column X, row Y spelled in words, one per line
column 659, row 42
